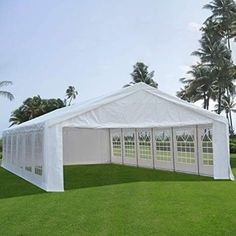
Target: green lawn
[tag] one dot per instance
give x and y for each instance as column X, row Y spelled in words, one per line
column 119, row 200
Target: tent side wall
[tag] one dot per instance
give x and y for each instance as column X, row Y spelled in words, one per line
column 222, row 169
column 23, row 154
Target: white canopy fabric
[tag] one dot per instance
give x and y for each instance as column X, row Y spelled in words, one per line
column 137, row 106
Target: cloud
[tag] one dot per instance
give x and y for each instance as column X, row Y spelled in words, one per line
column 194, row 27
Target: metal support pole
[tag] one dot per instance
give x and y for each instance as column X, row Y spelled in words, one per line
column 136, row 146
column 153, row 153
column 110, row 142
column 197, row 150
column 173, row 147
column 122, row 147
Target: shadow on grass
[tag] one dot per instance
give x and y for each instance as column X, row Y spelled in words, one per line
column 83, row 176
column 14, row 186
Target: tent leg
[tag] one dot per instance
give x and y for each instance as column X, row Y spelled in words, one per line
column 197, row 150
column 173, row 147
column 153, row 153
column 122, row 147
column 136, row 146
column 109, row 130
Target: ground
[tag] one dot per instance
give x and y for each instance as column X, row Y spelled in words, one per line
column 119, row 200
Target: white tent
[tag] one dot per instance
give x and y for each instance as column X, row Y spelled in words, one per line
column 138, row 125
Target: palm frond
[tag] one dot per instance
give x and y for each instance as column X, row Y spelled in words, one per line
column 5, row 83
column 7, row 95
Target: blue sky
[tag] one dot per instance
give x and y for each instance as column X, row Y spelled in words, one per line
column 45, row 46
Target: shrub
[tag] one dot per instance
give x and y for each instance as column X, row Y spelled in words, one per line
column 232, row 144
column 232, row 147
column 0, row 148
column 0, row 145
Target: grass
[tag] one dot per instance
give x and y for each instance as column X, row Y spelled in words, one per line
column 119, row 200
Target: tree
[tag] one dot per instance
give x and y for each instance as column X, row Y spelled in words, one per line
column 183, row 93
column 215, row 56
column 228, row 105
column 34, row 107
column 71, row 94
column 223, row 12
column 4, row 93
column 214, row 53
column 141, row 74
column 201, row 85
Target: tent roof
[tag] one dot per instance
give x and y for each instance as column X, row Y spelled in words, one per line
column 66, row 113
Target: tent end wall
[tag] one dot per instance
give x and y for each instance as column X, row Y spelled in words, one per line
column 222, row 168
column 85, row 146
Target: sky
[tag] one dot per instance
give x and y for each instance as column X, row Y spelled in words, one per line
column 45, row 46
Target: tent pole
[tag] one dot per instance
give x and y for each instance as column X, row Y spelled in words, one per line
column 122, row 147
column 197, row 151
column 110, row 141
column 136, row 146
column 153, row 153
column 173, row 147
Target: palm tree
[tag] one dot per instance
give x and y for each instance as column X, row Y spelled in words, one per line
column 223, row 12
column 71, row 94
column 228, row 105
column 215, row 54
column 184, row 93
column 4, row 93
column 141, row 74
column 34, row 107
column 18, row 116
column 214, row 77
column 201, row 85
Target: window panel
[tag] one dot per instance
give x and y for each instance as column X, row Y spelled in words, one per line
column 144, row 143
column 207, row 148
column 116, row 144
column 8, row 151
column 162, row 140
column 4, row 146
column 129, row 144
column 38, row 150
column 28, row 152
column 14, row 160
column 20, row 152
column 185, row 146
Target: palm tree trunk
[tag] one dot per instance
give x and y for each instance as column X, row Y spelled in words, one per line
column 231, row 122
column 204, row 101
column 230, row 113
column 227, row 116
column 70, row 100
column 219, row 101
column 228, row 42
column 208, row 101
column 228, row 39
